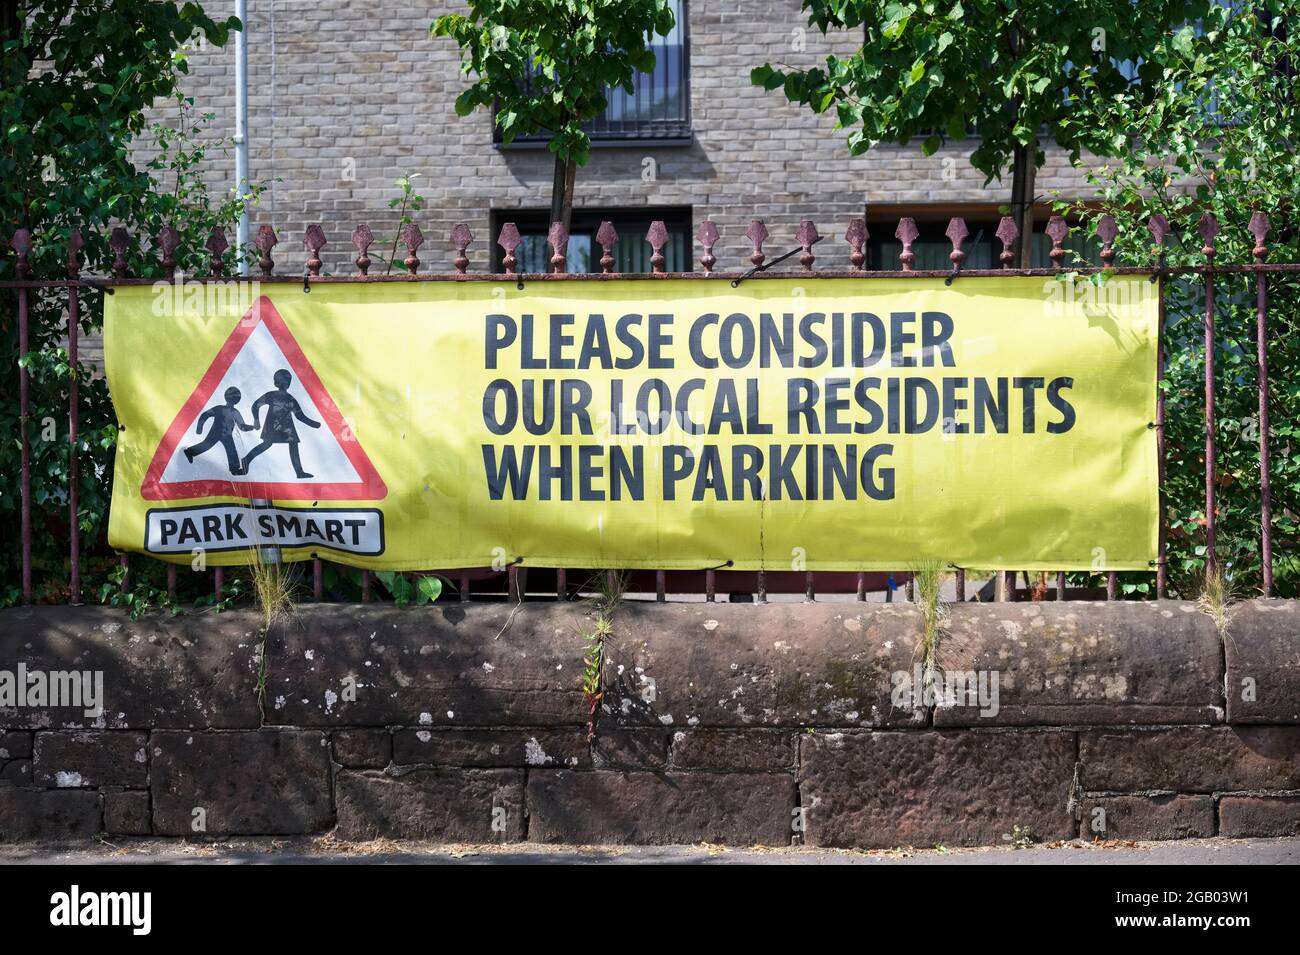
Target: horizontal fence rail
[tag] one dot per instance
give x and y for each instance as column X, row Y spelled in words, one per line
column 516, row 581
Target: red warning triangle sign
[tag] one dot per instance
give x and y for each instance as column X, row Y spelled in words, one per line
column 260, row 425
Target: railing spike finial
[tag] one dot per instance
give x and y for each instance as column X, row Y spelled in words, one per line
column 509, row 241
column 856, row 236
column 1107, row 231
column 22, row 246
column 657, row 235
column 1158, row 226
column 907, row 233
column 1057, row 229
column 314, row 240
column 266, row 241
column 607, row 236
column 412, row 238
column 461, row 237
column 808, row 237
column 708, row 236
column 362, row 237
column 169, row 241
column 757, row 235
column 957, row 233
column 75, row 245
column 1007, row 234
column 119, row 240
column 558, row 237
column 216, row 246
column 1208, row 227
column 1259, row 227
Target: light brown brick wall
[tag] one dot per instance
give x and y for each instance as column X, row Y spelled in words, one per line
column 332, row 80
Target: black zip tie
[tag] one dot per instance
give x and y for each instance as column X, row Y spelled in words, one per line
column 720, row 566
column 1160, row 268
column 956, row 267
column 735, row 283
column 519, row 283
column 306, row 285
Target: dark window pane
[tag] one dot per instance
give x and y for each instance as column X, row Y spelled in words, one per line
column 657, row 108
column 631, row 253
column 932, row 247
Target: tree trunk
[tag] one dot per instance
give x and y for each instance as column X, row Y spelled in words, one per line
column 1024, row 173
column 1027, row 210
column 562, row 191
column 1018, row 195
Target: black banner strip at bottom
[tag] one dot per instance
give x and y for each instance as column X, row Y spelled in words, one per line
column 332, row 899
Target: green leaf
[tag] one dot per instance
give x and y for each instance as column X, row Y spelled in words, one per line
column 430, row 588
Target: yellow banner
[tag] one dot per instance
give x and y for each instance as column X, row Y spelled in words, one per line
column 821, row 424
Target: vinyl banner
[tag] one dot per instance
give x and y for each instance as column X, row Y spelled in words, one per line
column 820, row 424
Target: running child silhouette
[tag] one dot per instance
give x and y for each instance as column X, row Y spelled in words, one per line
column 281, row 409
column 225, row 419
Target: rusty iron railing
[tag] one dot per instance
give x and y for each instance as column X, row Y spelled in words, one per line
column 565, row 582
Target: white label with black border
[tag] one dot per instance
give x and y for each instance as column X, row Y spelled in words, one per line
column 218, row 527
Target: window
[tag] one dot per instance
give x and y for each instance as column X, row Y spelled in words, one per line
column 658, row 108
column 631, row 253
column 982, row 247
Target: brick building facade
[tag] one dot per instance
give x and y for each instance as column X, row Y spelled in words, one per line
column 343, row 100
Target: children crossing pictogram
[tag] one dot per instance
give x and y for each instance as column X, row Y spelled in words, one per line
column 320, row 461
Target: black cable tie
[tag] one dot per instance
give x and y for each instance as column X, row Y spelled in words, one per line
column 956, row 266
column 720, row 566
column 735, row 283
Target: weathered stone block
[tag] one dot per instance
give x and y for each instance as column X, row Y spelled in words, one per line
column 266, row 782
column 965, row 787
column 1191, row 759
column 127, row 813
column 91, row 758
column 1100, row 663
column 777, row 664
column 363, row 748
column 610, row 807
column 1263, row 684
column 618, row 747
column 1147, row 817
column 17, row 772
column 491, row 749
column 1264, row 816
column 15, row 745
column 159, row 671
column 444, row 665
column 48, row 814
column 756, row 750
column 471, row 805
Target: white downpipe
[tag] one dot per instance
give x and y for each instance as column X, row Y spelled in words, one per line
column 241, row 128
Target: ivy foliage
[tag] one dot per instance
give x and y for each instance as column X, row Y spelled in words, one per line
column 76, row 80
column 1220, row 137
column 1004, row 72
